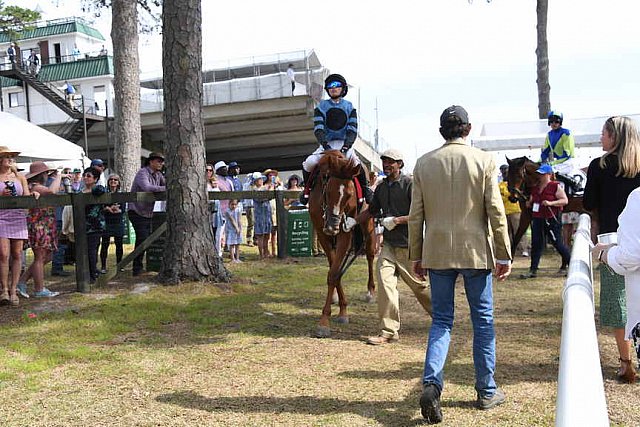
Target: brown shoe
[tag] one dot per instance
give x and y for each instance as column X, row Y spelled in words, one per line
column 626, row 373
column 381, row 340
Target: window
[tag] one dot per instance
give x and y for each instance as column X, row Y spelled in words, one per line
column 14, row 99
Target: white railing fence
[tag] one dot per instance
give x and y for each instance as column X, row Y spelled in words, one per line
column 581, row 399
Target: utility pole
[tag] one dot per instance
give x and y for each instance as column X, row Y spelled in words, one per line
column 376, row 133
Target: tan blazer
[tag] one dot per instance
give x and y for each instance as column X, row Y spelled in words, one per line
column 457, row 200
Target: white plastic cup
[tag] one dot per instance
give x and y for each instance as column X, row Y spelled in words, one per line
column 608, row 238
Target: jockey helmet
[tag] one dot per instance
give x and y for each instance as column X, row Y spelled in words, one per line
column 336, row 80
column 554, row 115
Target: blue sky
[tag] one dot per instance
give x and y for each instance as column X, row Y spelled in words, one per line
column 417, row 58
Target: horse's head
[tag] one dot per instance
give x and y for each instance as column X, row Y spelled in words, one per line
column 339, row 197
column 521, row 176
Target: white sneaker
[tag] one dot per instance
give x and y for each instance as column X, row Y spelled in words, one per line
column 22, row 290
column 525, row 253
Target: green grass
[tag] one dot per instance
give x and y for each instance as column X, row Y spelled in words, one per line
column 242, row 355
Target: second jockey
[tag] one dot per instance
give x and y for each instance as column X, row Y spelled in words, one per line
column 335, row 125
column 559, row 152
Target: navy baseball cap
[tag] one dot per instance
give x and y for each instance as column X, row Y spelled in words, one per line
column 97, row 162
column 454, row 111
column 233, row 164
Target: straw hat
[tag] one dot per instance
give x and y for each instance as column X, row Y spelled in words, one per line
column 4, row 151
column 36, row 168
column 268, row 171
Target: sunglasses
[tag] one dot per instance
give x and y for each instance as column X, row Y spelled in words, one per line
column 209, row 170
column 114, row 179
column 554, row 121
column 334, row 85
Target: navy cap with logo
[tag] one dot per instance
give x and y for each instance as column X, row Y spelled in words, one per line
column 455, row 111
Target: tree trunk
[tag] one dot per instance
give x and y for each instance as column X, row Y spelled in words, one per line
column 126, row 85
column 189, row 252
column 542, row 55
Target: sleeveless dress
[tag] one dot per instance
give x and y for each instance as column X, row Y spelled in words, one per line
column 13, row 222
column 41, row 223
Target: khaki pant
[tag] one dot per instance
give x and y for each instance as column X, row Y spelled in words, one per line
column 394, row 262
column 513, row 221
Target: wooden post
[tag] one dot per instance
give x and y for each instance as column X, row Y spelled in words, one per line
column 281, row 217
column 81, row 245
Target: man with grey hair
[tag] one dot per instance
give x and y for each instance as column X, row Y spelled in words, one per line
column 391, row 201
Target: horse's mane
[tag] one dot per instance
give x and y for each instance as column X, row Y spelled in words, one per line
column 334, row 162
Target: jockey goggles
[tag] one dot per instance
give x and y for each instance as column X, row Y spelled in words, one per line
column 334, row 85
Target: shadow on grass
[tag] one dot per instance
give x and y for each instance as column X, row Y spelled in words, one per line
column 387, row 413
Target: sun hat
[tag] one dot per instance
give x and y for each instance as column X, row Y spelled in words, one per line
column 36, row 168
column 268, row 171
column 4, row 150
column 219, row 165
column 256, row 175
column 392, row 154
column 155, row 155
column 545, row 169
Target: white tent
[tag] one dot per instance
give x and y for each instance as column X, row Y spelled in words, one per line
column 35, row 143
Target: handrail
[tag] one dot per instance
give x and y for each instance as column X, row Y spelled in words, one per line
column 80, row 200
column 581, row 399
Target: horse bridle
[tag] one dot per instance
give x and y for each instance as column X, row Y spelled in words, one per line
column 341, row 218
column 520, row 193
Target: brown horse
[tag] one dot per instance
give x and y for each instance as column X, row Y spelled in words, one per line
column 521, row 180
column 332, row 203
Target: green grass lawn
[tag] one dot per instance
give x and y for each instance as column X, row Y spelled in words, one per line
column 241, row 354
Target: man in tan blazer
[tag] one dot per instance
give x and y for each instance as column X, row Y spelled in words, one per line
column 457, row 226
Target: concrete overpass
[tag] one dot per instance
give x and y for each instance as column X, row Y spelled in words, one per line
column 249, row 114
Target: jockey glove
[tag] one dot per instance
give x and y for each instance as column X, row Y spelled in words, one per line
column 326, row 145
column 345, row 148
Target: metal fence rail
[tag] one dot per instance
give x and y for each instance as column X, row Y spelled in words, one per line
column 581, row 399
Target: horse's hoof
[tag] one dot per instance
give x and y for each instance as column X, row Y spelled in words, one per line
column 369, row 299
column 322, row 332
column 342, row 319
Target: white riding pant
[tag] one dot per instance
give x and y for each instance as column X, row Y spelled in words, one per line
column 336, row 144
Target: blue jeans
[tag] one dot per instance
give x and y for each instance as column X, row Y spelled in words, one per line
column 478, row 289
column 553, row 230
column 57, row 262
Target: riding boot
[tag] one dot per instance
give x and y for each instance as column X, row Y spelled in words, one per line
column 304, row 197
column 362, row 178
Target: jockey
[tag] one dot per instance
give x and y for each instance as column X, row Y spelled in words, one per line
column 559, row 152
column 336, row 128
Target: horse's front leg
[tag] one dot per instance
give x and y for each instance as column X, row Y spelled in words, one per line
column 323, row 330
column 343, row 245
column 370, row 247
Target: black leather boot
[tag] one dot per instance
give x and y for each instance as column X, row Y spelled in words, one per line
column 304, row 197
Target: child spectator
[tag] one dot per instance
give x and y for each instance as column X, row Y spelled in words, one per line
column 233, row 216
